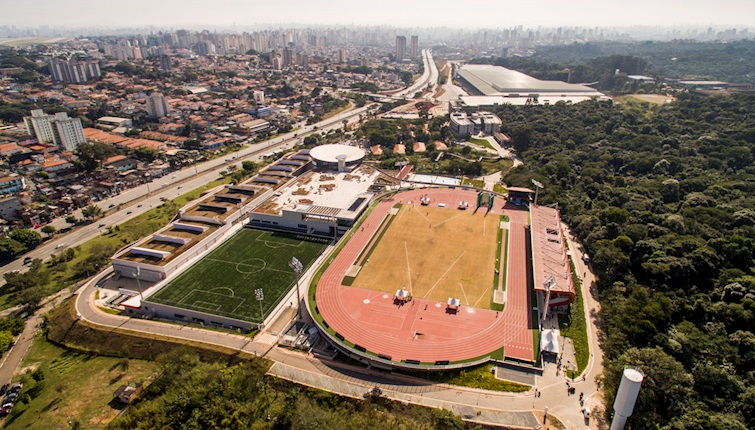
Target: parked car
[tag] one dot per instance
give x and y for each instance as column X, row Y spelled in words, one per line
column 4, row 388
column 17, row 386
column 5, row 410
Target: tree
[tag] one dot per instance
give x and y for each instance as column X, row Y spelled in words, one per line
column 146, row 154
column 9, row 248
column 666, row 386
column 5, row 339
column 49, row 230
column 70, row 219
column 249, row 166
column 26, row 237
column 91, row 155
column 91, row 212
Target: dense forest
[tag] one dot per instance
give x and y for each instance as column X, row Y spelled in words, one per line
column 726, row 61
column 191, row 394
column 664, row 200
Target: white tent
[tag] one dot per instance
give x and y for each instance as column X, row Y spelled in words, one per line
column 402, row 294
column 549, row 341
column 453, row 303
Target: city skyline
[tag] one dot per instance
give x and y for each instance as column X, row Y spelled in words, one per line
column 175, row 13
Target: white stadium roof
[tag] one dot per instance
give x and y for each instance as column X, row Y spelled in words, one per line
column 332, row 152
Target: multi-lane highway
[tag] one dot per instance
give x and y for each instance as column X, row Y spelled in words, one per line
column 140, row 199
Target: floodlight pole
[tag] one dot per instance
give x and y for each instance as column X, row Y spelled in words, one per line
column 298, row 296
column 549, row 283
column 538, row 185
column 297, row 266
column 260, row 295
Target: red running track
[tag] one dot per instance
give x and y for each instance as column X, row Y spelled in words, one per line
column 422, row 330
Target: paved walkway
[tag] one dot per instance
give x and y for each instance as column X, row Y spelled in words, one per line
column 11, row 363
column 496, row 408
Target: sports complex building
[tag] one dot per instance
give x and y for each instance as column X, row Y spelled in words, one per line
column 421, row 277
column 489, row 86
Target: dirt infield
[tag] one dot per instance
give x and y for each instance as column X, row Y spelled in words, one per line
column 435, row 254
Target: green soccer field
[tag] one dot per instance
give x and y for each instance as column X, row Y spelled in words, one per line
column 223, row 282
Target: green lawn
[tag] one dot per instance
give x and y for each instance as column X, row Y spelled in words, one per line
column 574, row 325
column 477, row 183
column 478, row 377
column 481, row 142
column 224, row 281
column 77, row 389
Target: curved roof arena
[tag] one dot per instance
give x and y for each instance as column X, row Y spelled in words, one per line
column 332, row 152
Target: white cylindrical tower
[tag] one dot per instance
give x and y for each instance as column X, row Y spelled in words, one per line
column 341, row 162
column 626, row 397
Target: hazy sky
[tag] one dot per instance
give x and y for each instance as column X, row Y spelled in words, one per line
column 457, row 13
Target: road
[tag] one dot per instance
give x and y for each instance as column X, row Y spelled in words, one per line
column 140, row 199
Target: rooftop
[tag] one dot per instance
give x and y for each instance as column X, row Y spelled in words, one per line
column 322, row 192
column 549, row 250
column 331, row 153
column 494, row 80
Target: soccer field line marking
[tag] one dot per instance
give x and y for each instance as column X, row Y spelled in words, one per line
column 197, row 305
column 444, row 274
column 224, row 288
column 465, row 294
column 251, row 265
column 282, row 245
column 237, row 306
column 198, row 290
column 408, row 269
column 251, row 272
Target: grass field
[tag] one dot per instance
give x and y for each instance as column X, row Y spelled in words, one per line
column 224, row 281
column 481, row 142
column 435, row 254
column 77, row 389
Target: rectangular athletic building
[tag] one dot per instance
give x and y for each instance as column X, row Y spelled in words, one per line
column 493, row 85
